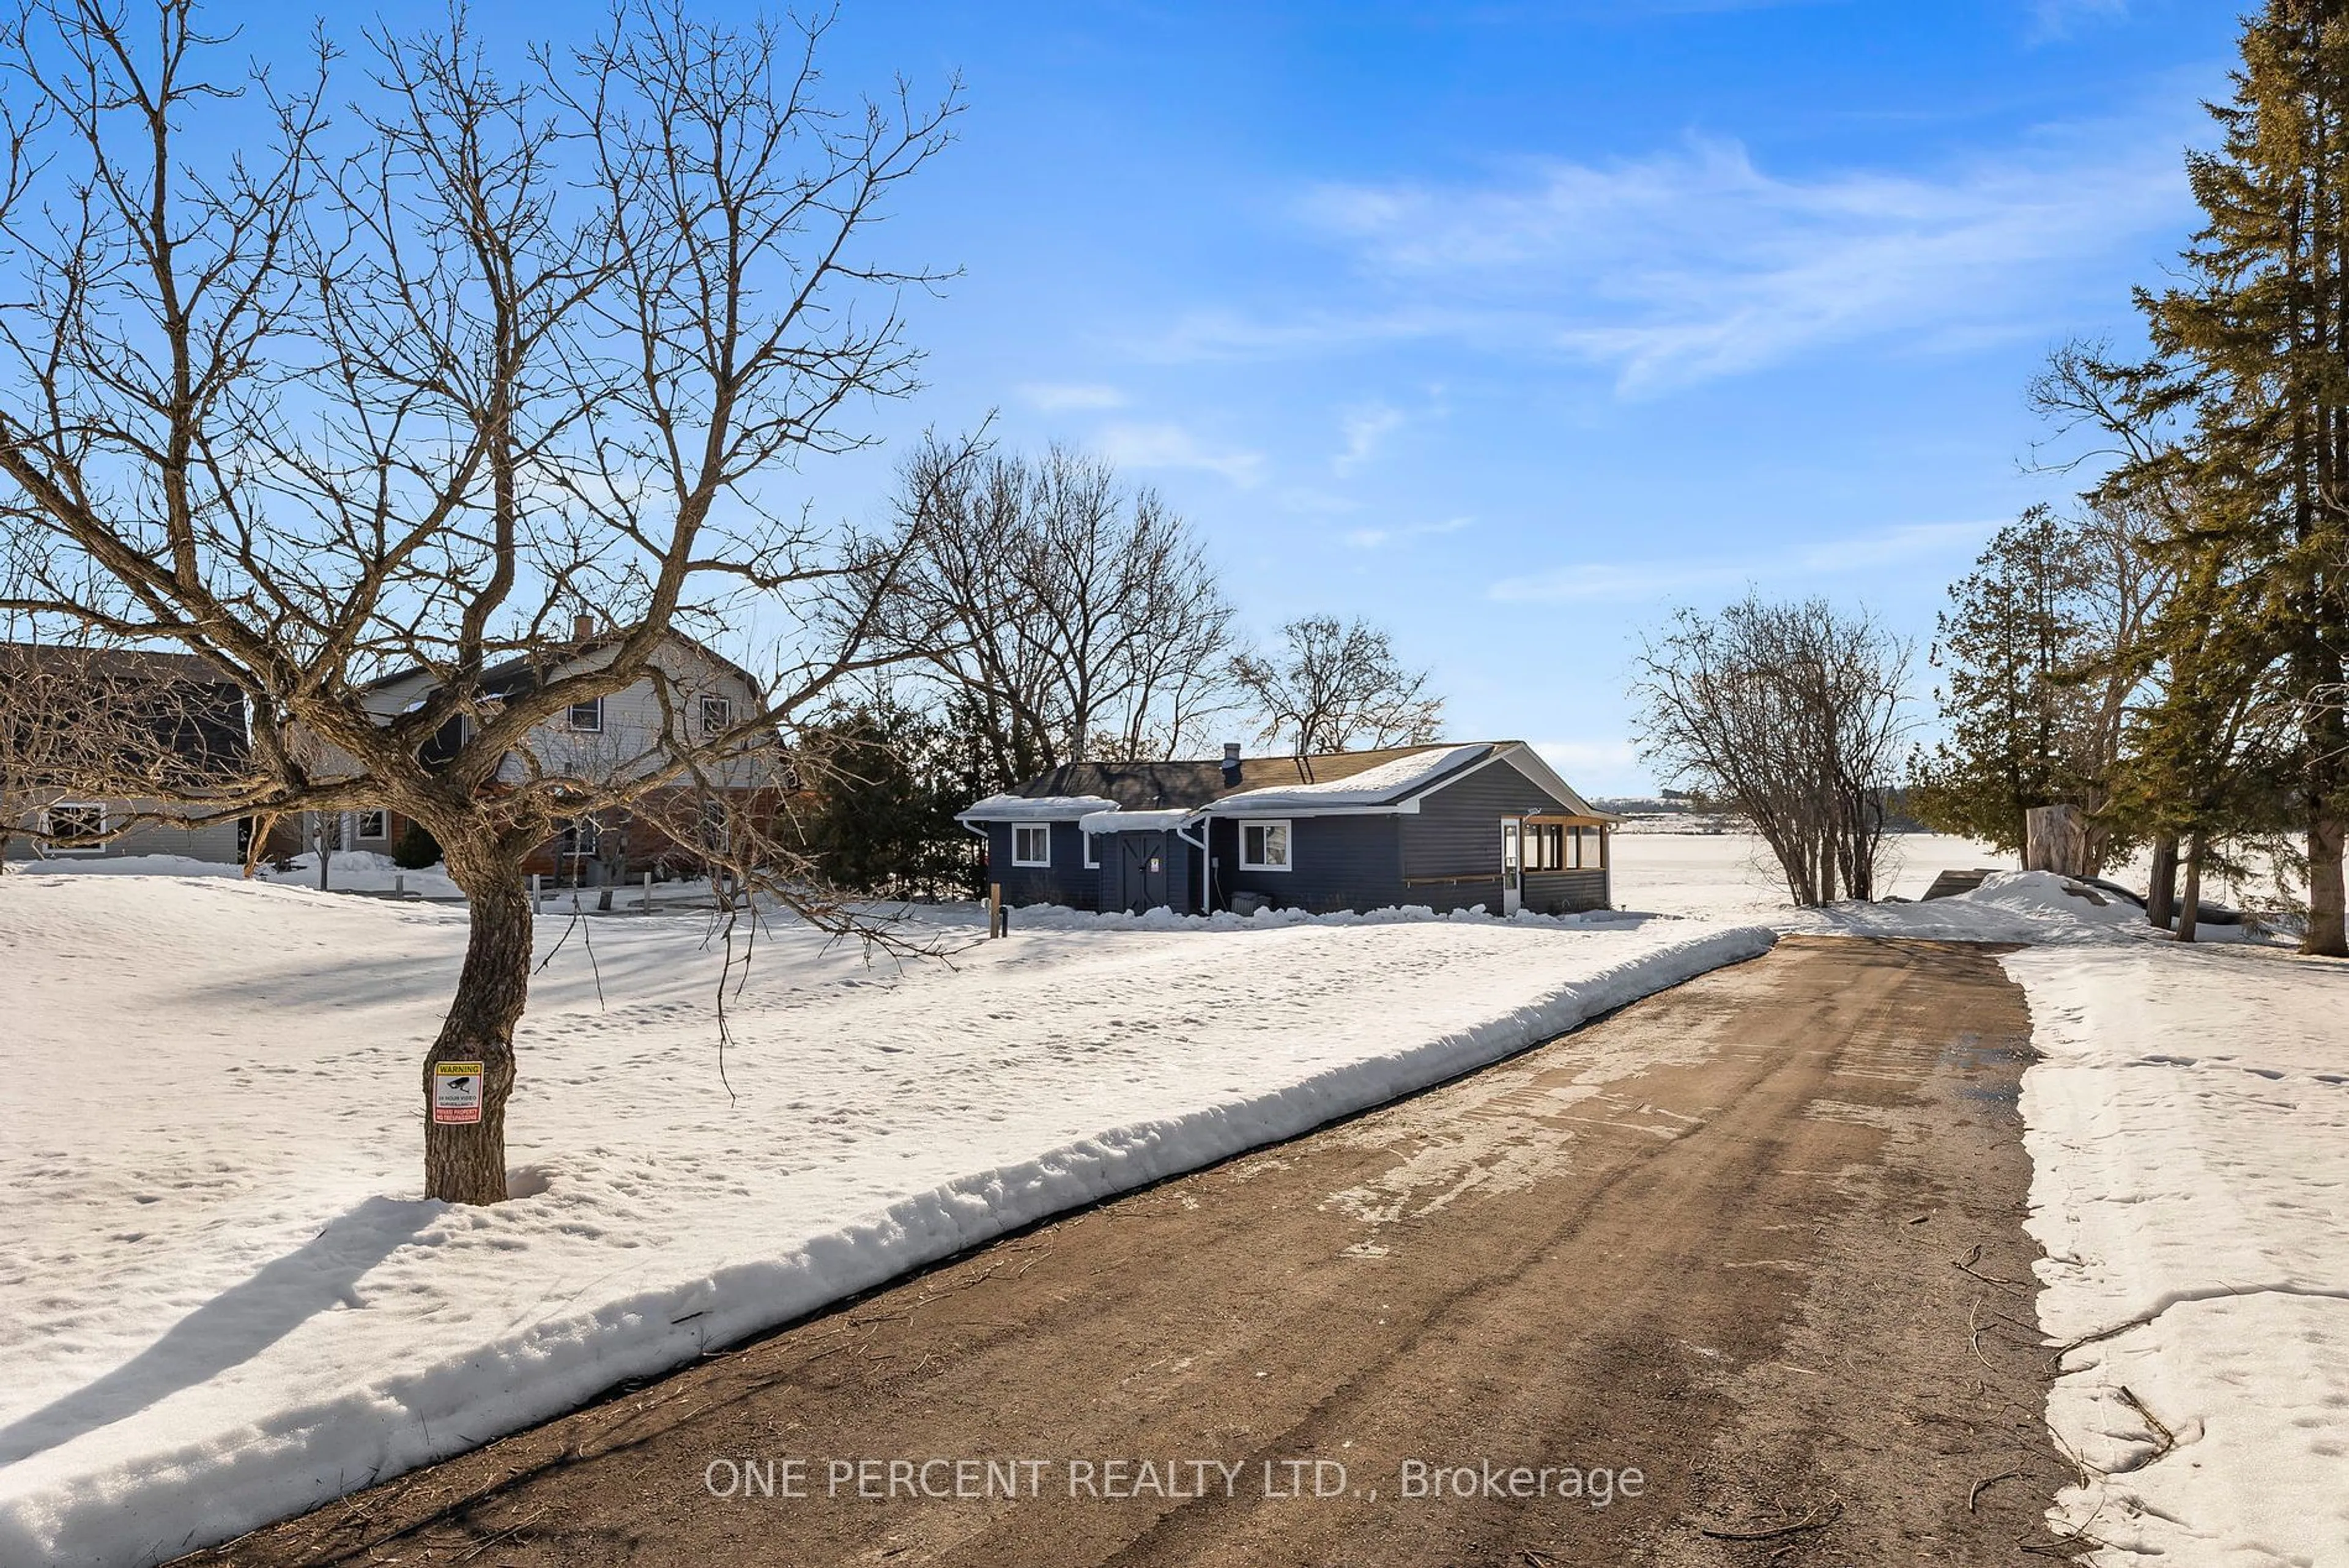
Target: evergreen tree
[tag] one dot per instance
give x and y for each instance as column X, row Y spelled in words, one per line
column 2251, row 367
column 2012, row 647
column 2044, row 646
column 881, row 791
column 2206, row 762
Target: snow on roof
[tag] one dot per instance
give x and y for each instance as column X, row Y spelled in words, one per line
column 1376, row 787
column 1135, row 821
column 1034, row 808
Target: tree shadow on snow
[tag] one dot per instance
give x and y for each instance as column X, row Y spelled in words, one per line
column 231, row 1328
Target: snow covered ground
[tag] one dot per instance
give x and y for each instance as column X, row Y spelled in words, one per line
column 223, row 1301
column 2189, row 1130
column 1731, row 875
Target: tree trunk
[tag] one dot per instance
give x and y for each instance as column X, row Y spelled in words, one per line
column 2326, row 936
column 2161, row 892
column 465, row 1161
column 2189, row 909
column 2058, row 841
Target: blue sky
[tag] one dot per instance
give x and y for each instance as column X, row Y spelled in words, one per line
column 1511, row 326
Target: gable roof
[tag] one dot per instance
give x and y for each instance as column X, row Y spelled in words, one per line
column 524, row 670
column 178, row 706
column 1385, row 779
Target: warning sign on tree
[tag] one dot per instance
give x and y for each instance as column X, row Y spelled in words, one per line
column 456, row 1092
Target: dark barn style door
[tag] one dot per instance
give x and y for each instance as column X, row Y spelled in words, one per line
column 1142, row 871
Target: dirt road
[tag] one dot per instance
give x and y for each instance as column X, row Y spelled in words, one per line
column 1757, row 1239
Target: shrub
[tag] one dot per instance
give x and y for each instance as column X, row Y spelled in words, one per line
column 417, row 849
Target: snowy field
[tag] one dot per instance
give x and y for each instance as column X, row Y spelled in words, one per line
column 223, row 1301
column 1731, row 875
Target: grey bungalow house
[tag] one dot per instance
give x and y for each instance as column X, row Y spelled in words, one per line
column 1449, row 827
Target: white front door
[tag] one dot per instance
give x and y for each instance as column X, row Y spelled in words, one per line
column 1512, row 876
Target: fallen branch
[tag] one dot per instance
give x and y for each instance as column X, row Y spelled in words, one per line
column 1812, row 1521
column 1986, row 1483
column 2160, row 1431
column 1965, row 1265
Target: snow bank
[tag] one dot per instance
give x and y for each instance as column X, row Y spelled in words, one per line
column 225, row 1304
column 1061, row 918
column 363, row 871
column 2189, row 1130
column 2029, row 906
column 349, row 871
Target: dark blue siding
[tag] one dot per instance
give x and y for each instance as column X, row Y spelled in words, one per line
column 1564, row 892
column 1065, row 881
column 1451, row 846
column 1124, row 879
column 1338, row 863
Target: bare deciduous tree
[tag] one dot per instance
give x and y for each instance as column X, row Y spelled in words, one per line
column 1072, row 619
column 316, row 400
column 1336, row 686
column 1791, row 713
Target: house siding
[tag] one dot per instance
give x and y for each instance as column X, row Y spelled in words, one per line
column 216, row 842
column 630, row 742
column 1067, row 880
column 1564, row 892
column 1456, row 833
column 1338, row 863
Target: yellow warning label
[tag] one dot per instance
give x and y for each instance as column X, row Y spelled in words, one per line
column 456, row 1092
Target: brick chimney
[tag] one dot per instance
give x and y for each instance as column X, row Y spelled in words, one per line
column 583, row 626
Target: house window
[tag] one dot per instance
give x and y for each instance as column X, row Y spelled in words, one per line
column 588, row 716
column 1264, row 846
column 1031, row 843
column 1545, row 846
column 1093, row 852
column 717, row 834
column 581, row 838
column 72, row 819
column 717, row 715
column 374, row 824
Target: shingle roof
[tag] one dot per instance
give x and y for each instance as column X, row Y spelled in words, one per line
column 181, row 703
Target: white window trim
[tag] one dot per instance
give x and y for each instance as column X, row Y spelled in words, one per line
column 1092, row 850
column 359, row 828
column 725, row 707
column 48, row 825
column 1043, row 827
column 1287, row 830
column 595, row 729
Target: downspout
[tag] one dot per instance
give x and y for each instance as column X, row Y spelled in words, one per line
column 1206, row 887
column 978, row 830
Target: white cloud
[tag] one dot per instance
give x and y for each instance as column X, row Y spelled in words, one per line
column 1378, row 538
column 1054, row 396
column 1657, row 579
column 1696, row 262
column 1172, row 446
column 1365, row 429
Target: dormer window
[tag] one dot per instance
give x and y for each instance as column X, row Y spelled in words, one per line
column 588, row 717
